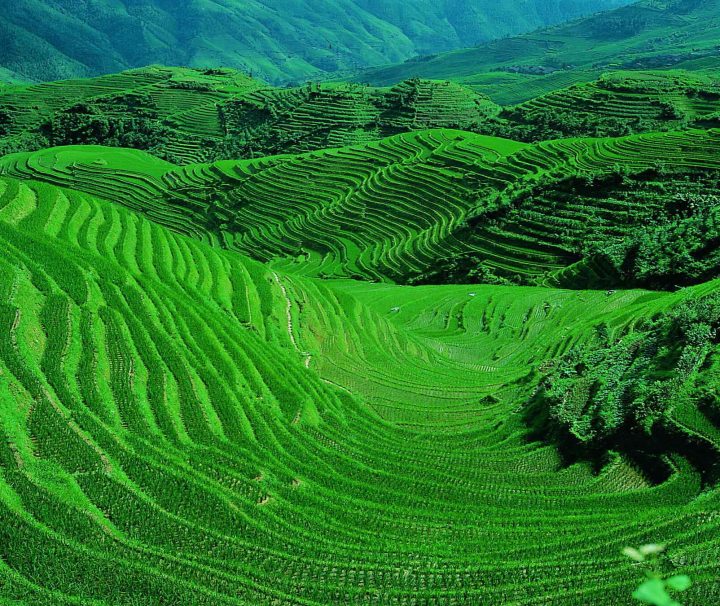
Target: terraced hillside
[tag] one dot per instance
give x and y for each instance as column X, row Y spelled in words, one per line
column 325, row 116
column 646, row 35
column 404, row 207
column 650, row 96
column 190, row 116
column 160, row 109
column 185, row 425
column 620, row 103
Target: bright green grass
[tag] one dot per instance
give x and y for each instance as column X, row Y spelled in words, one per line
column 185, row 426
column 177, row 412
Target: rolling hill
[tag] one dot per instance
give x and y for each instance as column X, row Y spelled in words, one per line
column 182, row 422
column 60, row 39
column 449, row 337
column 621, row 102
column 651, row 34
column 410, row 207
column 188, row 116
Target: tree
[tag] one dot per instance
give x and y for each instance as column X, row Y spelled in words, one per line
column 5, row 122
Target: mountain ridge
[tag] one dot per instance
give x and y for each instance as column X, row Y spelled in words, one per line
column 60, row 39
column 644, row 35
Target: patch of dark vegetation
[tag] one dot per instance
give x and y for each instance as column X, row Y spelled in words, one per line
column 657, row 229
column 464, row 269
column 133, row 124
column 643, row 392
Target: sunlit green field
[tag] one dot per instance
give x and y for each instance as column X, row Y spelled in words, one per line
column 440, row 332
column 185, row 423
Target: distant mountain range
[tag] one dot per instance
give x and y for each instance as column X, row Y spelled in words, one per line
column 280, row 40
column 652, row 34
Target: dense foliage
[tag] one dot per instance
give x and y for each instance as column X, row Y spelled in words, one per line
column 654, row 228
column 681, row 246
column 612, row 390
column 89, row 124
column 54, row 39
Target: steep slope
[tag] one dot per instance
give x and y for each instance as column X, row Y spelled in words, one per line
column 650, row 34
column 50, row 40
column 171, row 432
column 8, row 77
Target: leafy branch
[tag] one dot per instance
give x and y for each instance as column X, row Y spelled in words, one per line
column 657, row 589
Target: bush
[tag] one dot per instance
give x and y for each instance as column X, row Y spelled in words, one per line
column 611, row 391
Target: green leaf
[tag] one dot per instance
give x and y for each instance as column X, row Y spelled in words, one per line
column 652, row 549
column 653, row 592
column 679, row 582
column 634, row 554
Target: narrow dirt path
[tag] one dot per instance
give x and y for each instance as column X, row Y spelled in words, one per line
column 288, row 311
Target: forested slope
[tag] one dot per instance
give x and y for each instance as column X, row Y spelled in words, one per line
column 650, row 34
column 54, row 39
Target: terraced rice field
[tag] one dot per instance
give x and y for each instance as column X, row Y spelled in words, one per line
column 201, row 115
column 664, row 98
column 386, row 210
column 183, row 422
column 187, row 100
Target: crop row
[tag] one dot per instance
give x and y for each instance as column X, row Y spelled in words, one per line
column 184, row 423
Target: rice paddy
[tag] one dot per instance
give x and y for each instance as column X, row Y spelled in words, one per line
column 184, row 422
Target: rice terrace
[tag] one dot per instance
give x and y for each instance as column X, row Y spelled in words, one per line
column 350, row 302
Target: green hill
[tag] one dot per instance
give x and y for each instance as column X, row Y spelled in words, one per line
column 651, row 34
column 166, row 110
column 189, row 115
column 60, row 39
column 8, row 77
column 449, row 340
column 434, row 206
column 619, row 103
column 185, row 425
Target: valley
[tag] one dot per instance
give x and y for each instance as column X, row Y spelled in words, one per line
column 443, row 332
